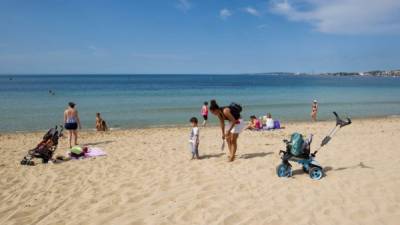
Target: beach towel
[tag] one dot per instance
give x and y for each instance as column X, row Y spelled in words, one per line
column 94, row 152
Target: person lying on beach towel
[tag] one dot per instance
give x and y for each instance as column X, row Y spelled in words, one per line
column 78, row 152
column 85, row 152
column 75, row 152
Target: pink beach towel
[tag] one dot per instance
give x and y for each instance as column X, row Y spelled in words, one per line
column 94, row 152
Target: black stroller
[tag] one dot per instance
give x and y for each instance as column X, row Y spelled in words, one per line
column 46, row 148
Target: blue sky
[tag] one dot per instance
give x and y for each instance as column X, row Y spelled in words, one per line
column 198, row 36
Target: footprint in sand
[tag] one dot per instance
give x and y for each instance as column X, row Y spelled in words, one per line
column 234, row 218
column 137, row 198
column 107, row 209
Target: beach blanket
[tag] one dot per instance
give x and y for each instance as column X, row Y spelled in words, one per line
column 94, row 152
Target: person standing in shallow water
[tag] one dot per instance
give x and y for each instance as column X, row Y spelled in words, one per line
column 235, row 126
column 314, row 111
column 72, row 123
column 204, row 113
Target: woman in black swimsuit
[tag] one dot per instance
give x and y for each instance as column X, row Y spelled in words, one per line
column 72, row 123
column 232, row 131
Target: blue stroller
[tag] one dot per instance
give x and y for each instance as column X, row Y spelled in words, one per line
column 298, row 150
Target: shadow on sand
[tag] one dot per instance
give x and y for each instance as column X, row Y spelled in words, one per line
column 329, row 168
column 255, row 155
column 298, row 172
column 212, row 156
column 360, row 165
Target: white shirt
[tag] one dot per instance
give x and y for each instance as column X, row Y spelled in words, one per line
column 194, row 135
column 270, row 123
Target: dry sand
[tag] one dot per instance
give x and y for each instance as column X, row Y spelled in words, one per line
column 147, row 178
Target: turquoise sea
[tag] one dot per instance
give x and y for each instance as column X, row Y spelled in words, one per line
column 133, row 101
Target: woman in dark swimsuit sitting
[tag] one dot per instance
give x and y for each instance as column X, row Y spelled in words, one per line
column 235, row 126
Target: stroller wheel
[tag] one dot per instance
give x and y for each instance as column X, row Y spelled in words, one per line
column 316, row 173
column 284, row 170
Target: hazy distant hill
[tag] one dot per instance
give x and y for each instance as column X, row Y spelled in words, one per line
column 377, row 73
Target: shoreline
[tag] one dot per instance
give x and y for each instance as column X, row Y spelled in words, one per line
column 376, row 73
column 169, row 126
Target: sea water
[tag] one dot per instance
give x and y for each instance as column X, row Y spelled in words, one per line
column 27, row 102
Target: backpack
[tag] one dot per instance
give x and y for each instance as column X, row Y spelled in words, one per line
column 296, row 141
column 236, row 107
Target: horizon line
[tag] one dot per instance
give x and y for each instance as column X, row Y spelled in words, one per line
column 246, row 73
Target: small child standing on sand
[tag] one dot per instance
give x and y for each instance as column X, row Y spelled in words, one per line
column 194, row 138
column 204, row 113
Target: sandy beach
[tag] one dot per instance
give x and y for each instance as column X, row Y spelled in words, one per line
column 148, row 178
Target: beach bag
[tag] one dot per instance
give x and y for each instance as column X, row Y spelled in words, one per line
column 277, row 124
column 235, row 110
column 296, row 141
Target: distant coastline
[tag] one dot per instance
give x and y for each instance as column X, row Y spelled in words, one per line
column 374, row 73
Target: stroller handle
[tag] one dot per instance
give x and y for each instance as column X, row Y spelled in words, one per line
column 340, row 122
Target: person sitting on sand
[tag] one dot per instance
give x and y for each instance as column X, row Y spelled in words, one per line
column 235, row 127
column 194, row 138
column 101, row 124
column 269, row 123
column 72, row 123
column 254, row 123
